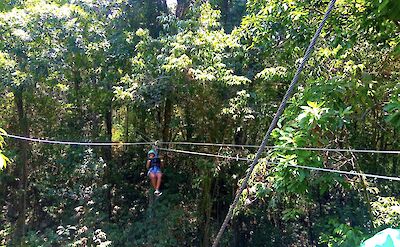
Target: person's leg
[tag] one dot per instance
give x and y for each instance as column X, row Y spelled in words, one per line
column 153, row 179
column 159, row 175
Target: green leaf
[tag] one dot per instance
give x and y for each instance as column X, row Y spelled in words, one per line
column 313, row 104
column 3, row 161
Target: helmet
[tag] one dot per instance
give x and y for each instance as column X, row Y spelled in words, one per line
column 152, row 152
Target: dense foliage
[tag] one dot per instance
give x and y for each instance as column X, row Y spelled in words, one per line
column 197, row 71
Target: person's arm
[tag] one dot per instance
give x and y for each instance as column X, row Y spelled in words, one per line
column 148, row 164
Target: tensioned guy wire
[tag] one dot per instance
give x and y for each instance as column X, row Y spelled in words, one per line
column 281, row 163
column 282, row 106
column 283, row 147
column 76, row 143
column 198, row 144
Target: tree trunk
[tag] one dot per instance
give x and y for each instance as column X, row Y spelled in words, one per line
column 108, row 158
column 394, row 158
column 309, row 221
column 126, row 134
column 236, row 232
column 365, row 190
column 78, row 121
column 22, row 167
column 167, row 120
column 189, row 125
column 206, row 207
column 224, row 12
column 154, row 9
column 181, row 8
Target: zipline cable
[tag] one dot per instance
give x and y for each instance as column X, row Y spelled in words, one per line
column 76, row 143
column 286, row 148
column 197, row 153
column 287, row 164
column 273, row 123
column 205, row 154
column 148, row 142
column 345, row 172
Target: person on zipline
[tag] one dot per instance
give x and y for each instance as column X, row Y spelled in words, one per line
column 154, row 165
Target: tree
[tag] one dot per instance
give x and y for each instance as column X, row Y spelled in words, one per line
column 214, row 71
column 3, row 159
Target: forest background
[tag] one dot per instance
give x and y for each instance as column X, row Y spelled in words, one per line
column 199, row 71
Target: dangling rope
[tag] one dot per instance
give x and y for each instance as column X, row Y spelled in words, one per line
column 273, row 123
